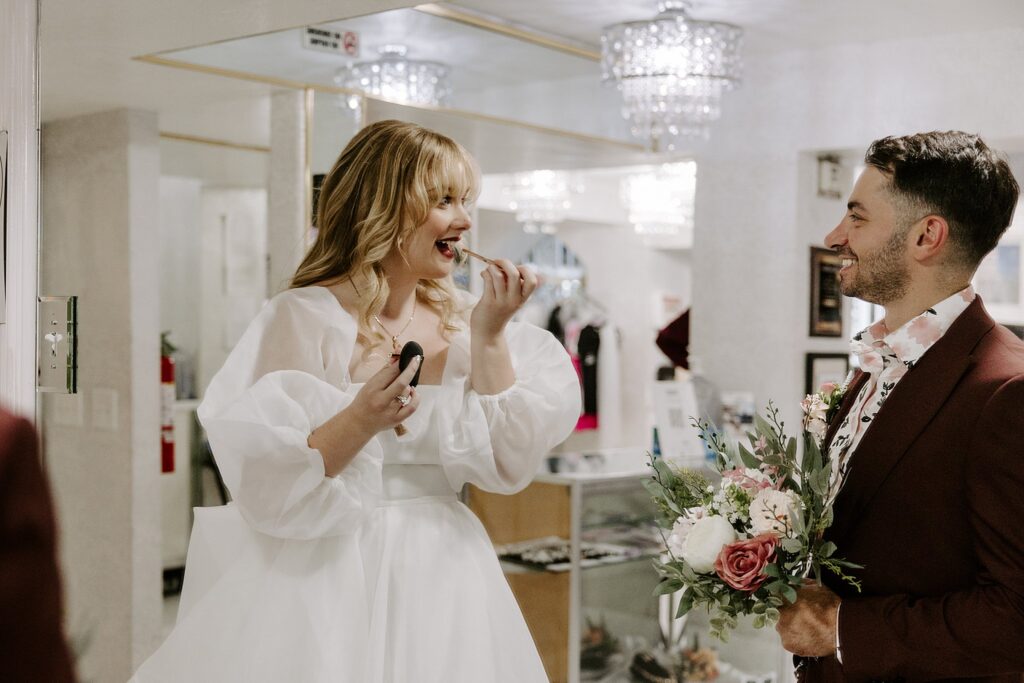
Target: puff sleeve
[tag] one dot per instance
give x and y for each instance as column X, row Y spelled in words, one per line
column 497, row 441
column 259, row 411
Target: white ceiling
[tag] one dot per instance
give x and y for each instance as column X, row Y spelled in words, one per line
column 480, row 59
column 87, row 46
column 773, row 25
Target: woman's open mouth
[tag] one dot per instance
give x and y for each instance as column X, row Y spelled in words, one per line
column 445, row 247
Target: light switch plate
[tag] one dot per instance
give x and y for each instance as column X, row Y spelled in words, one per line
column 57, row 344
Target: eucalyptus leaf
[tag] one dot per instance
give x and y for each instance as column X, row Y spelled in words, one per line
column 733, row 457
column 799, row 527
column 748, row 458
column 687, row 573
column 812, row 456
column 791, row 545
column 685, row 605
column 665, row 472
column 655, row 489
column 764, row 428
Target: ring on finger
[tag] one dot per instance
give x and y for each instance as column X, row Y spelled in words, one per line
column 404, row 399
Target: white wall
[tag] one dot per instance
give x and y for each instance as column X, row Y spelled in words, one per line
column 244, row 121
column 751, row 250
column 100, row 242
column 213, row 269
column 333, row 127
column 287, row 213
column 232, row 254
column 19, row 115
column 180, row 291
column 582, row 105
column 624, row 275
column 214, row 165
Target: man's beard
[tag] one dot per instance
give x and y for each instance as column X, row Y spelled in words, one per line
column 882, row 277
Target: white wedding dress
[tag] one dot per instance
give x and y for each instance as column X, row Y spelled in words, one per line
column 377, row 575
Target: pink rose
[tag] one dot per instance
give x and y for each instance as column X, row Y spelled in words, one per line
column 741, row 564
column 749, row 479
column 827, row 388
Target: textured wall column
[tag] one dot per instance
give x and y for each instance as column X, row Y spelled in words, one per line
column 19, row 116
column 286, row 212
column 100, row 241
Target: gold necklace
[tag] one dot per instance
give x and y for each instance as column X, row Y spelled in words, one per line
column 395, row 348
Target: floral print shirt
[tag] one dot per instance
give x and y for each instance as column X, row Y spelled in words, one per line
column 886, row 357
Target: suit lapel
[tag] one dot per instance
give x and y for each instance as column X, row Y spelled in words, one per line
column 907, row 411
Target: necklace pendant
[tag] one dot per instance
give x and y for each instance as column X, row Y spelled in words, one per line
column 394, row 346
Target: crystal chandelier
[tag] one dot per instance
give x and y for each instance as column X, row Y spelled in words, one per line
column 671, row 72
column 661, row 202
column 540, row 199
column 395, row 78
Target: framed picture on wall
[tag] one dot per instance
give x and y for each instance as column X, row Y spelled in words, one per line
column 826, row 300
column 830, row 180
column 825, row 367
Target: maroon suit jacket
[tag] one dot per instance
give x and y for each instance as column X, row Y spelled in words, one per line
column 32, row 645
column 933, row 508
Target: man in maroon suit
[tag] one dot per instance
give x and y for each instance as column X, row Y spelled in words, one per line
column 32, row 645
column 929, row 441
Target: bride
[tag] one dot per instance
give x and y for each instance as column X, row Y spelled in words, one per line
column 346, row 555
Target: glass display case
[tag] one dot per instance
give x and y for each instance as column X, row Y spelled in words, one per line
column 577, row 547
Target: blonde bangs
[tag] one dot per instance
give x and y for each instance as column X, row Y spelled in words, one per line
column 458, row 174
column 445, row 170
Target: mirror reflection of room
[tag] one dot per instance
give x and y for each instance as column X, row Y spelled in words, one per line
column 462, row 328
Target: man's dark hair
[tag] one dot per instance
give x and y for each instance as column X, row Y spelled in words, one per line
column 954, row 175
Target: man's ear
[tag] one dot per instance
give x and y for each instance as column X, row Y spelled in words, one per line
column 930, row 237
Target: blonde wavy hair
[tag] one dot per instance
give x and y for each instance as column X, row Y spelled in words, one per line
column 381, row 188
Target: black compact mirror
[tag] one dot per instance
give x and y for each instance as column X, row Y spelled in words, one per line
column 410, row 351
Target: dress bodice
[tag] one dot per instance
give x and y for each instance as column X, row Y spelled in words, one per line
column 423, row 445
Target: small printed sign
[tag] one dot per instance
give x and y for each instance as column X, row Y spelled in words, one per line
column 336, row 42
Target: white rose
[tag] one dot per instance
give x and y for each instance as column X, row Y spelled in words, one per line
column 681, row 529
column 677, row 537
column 773, row 511
column 705, row 540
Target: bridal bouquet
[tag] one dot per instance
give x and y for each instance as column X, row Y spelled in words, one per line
column 742, row 542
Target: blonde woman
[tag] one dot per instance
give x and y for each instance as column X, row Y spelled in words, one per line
column 346, row 555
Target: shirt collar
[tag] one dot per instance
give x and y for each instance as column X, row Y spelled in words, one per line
column 908, row 343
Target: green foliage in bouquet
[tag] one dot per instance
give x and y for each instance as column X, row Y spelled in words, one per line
column 743, row 544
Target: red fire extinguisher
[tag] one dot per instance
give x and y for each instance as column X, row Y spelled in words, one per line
column 166, row 404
